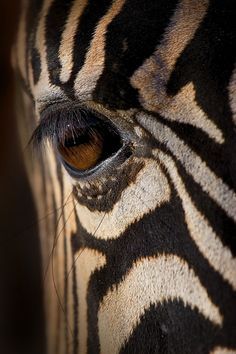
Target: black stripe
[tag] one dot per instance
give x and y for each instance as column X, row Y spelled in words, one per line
column 56, row 21
column 208, row 62
column 36, row 64
column 161, row 327
column 218, row 157
column 161, row 232
column 131, row 38
column 55, row 25
column 223, row 225
column 32, row 20
column 213, row 154
column 92, row 14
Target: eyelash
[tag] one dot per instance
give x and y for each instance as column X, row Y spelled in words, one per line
column 54, row 124
column 101, row 144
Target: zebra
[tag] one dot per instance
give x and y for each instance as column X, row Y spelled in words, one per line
column 131, row 107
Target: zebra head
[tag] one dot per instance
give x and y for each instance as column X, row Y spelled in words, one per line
column 136, row 100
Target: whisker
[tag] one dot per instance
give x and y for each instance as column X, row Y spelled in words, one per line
column 39, row 220
column 53, row 276
column 74, row 262
column 56, row 236
column 59, row 300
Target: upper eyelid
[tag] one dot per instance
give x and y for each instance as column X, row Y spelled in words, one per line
column 50, row 122
column 52, row 126
column 54, row 121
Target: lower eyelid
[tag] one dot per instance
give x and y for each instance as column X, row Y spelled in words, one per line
column 104, row 167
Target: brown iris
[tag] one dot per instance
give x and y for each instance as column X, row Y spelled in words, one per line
column 85, row 143
column 83, row 151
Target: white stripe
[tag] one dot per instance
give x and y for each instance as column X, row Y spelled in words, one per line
column 148, row 191
column 232, row 94
column 219, row 256
column 223, row 350
column 150, row 281
column 193, row 164
column 43, row 90
column 94, row 62
column 87, row 261
column 68, row 39
column 152, row 76
column 183, row 108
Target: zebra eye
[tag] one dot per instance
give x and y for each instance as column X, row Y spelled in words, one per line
column 83, row 149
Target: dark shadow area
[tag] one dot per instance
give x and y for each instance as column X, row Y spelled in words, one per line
column 22, row 329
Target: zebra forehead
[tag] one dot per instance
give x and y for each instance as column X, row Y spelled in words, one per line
column 92, row 49
column 109, row 52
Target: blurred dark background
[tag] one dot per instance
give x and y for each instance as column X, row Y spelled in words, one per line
column 21, row 309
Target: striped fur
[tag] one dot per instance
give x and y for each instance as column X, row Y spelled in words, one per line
column 143, row 256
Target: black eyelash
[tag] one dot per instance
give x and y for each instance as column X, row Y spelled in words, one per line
column 55, row 126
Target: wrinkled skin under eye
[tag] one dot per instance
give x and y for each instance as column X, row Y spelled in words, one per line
column 85, row 148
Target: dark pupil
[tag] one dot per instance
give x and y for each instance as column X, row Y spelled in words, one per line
column 78, row 139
